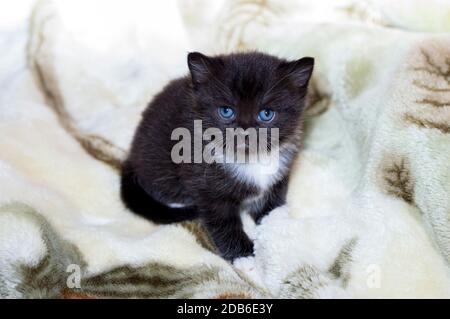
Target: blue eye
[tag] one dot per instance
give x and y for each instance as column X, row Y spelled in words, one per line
column 226, row 112
column 266, row 115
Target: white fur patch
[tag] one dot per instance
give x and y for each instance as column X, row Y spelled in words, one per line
column 265, row 172
column 176, row 205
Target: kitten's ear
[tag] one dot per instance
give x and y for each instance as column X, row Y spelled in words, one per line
column 201, row 67
column 298, row 72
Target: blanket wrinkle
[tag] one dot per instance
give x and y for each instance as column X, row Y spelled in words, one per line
column 97, row 146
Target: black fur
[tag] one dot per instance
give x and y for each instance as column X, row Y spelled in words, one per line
column 247, row 81
column 139, row 201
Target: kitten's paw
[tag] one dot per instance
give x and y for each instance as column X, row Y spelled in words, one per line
column 243, row 248
column 259, row 218
column 246, row 248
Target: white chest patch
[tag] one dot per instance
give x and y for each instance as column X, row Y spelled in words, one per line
column 264, row 173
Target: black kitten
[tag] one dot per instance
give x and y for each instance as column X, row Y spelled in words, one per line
column 244, row 90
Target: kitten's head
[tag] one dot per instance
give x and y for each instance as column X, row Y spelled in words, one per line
column 250, row 90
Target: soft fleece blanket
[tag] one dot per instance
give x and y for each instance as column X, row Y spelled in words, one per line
column 368, row 212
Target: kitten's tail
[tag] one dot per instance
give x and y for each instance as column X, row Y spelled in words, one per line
column 140, row 202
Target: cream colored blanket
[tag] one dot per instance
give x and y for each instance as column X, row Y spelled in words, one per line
column 369, row 202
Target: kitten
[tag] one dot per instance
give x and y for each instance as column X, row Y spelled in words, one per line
column 242, row 90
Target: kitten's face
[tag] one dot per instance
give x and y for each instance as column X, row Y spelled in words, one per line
column 250, row 90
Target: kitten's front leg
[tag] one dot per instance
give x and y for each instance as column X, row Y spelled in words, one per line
column 225, row 227
column 275, row 198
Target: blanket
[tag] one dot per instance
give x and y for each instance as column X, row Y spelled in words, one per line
column 368, row 212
